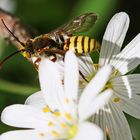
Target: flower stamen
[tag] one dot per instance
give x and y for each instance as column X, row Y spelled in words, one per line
column 116, row 72
column 63, row 125
column 96, row 66
column 46, row 109
column 117, row 99
column 55, row 133
column 57, row 113
column 68, row 116
column 50, row 123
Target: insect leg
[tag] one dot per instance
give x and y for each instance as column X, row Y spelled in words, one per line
column 36, row 63
column 53, row 51
column 54, row 58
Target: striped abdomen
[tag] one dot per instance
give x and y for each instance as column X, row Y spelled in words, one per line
column 81, row 44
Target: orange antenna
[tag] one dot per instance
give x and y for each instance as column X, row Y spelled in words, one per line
column 12, row 33
column 9, row 56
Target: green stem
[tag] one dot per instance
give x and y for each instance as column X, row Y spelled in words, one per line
column 14, row 88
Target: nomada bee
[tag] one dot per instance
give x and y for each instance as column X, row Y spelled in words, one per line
column 55, row 42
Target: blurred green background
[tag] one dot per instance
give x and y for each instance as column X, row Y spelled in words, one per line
column 19, row 79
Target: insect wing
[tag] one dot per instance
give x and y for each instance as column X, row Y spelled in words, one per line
column 79, row 24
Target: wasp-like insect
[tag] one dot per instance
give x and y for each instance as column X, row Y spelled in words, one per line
column 60, row 40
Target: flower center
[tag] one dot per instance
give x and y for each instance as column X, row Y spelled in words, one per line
column 69, row 130
column 108, row 85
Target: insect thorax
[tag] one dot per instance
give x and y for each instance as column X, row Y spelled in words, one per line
column 39, row 43
column 46, row 40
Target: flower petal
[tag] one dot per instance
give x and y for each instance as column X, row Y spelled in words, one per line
column 86, row 66
column 94, row 88
column 114, row 37
column 129, row 58
column 71, row 78
column 93, row 133
column 117, row 126
column 131, row 106
column 95, row 105
column 51, row 84
column 100, row 121
column 8, row 5
column 36, row 100
column 24, row 116
column 122, row 84
column 126, row 85
column 128, row 105
column 25, row 135
column 60, row 64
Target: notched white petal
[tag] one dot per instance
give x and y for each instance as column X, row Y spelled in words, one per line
column 131, row 106
column 51, row 84
column 129, row 58
column 36, row 100
column 86, row 65
column 122, row 85
column 24, row 116
column 88, row 131
column 71, row 78
column 119, row 85
column 94, row 87
column 60, row 65
column 25, row 135
column 117, row 126
column 8, row 5
column 113, row 37
column 95, row 105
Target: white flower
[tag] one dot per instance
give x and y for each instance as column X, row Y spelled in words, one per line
column 58, row 113
column 126, row 87
column 8, row 5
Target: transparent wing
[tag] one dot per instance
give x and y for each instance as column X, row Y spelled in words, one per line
column 22, row 32
column 79, row 24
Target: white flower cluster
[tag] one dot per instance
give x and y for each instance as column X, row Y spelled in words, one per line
column 77, row 108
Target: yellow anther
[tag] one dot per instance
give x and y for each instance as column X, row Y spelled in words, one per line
column 117, row 99
column 108, row 85
column 50, row 123
column 58, row 114
column 116, row 72
column 55, row 133
column 63, row 125
column 68, row 116
column 96, row 66
column 46, row 109
column 41, row 134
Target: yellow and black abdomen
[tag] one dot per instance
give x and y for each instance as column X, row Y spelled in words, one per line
column 81, row 44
